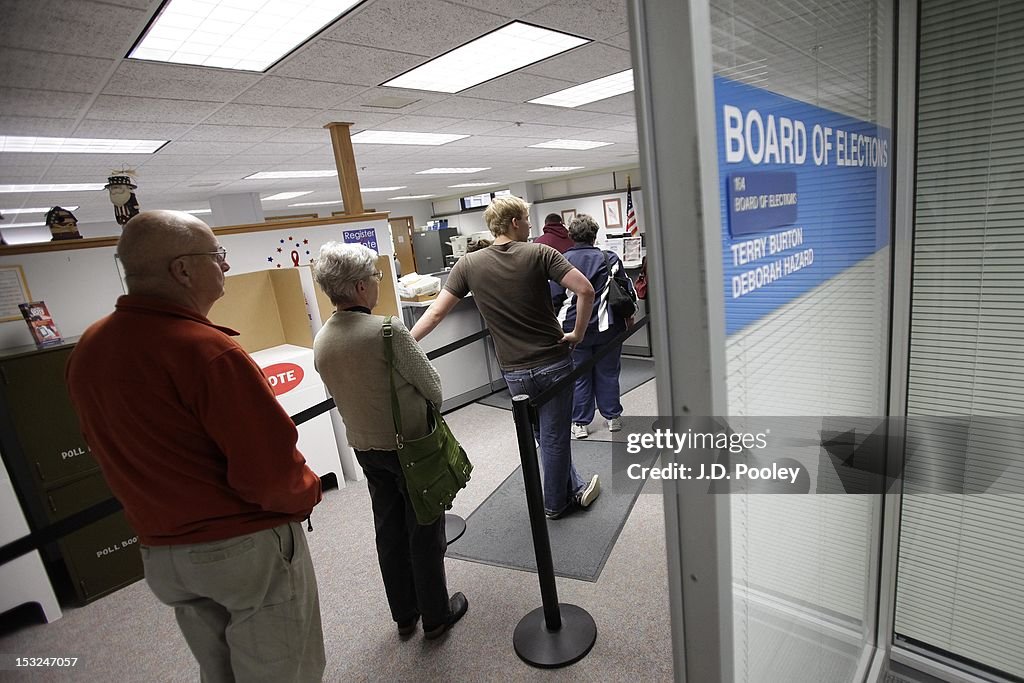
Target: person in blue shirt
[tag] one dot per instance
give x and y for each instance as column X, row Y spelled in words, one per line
column 600, row 386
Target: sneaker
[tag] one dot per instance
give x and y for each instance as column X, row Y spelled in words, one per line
column 579, row 431
column 589, row 493
column 572, row 506
column 614, row 424
column 457, row 607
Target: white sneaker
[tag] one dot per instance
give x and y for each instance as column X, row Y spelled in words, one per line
column 590, row 492
column 614, row 424
column 579, row 431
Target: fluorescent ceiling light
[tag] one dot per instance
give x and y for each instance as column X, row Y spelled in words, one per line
column 549, row 169
column 473, row 185
column 453, row 170
column 285, row 195
column 499, row 52
column 383, row 189
column 65, row 187
column 276, row 175
column 18, row 143
column 229, row 34
column 22, row 225
column 39, row 210
column 570, row 144
column 336, row 201
column 584, row 93
column 197, row 211
column 411, row 196
column 396, row 137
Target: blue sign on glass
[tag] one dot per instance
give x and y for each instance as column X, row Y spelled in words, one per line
column 761, row 200
column 365, row 236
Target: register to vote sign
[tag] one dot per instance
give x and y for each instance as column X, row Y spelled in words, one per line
column 805, row 195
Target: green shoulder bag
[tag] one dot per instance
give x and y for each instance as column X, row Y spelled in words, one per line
column 435, row 466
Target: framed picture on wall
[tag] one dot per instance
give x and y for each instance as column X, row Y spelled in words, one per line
column 568, row 215
column 612, row 213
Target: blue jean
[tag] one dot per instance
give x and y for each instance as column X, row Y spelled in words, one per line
column 561, row 480
column 601, row 384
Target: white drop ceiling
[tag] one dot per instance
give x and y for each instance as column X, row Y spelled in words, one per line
column 63, row 72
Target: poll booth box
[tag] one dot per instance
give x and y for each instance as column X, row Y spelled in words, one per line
column 274, row 311
column 297, row 386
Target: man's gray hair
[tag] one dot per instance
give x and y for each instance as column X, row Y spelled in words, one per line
column 340, row 266
column 583, row 228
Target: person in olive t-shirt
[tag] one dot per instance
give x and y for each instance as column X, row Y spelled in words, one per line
column 509, row 281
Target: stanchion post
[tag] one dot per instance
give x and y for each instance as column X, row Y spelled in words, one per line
column 553, row 635
column 535, row 505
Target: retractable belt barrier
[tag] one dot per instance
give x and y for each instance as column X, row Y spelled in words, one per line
column 79, row 520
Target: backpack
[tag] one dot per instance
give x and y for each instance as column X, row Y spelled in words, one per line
column 620, row 300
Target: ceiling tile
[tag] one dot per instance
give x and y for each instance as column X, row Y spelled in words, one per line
column 620, row 40
column 228, row 133
column 334, row 62
column 506, row 8
column 461, row 107
column 516, row 87
column 301, row 135
column 421, row 124
column 48, row 103
column 595, row 19
column 473, row 127
column 203, row 148
column 149, row 110
column 360, row 120
column 48, row 71
column 620, row 104
column 135, row 130
column 91, row 29
column 177, row 82
column 584, row 63
column 295, row 148
column 422, row 28
column 259, row 115
column 23, row 125
column 291, row 91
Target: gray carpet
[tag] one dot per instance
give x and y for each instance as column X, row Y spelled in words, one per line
column 634, row 372
column 498, row 531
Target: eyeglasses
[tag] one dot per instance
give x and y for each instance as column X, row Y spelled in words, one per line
column 221, row 255
column 378, row 275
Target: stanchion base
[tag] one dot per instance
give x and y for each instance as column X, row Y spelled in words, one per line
column 537, row 646
column 454, row 527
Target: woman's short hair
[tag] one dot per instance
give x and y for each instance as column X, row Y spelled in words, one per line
column 340, row 266
column 498, row 216
column 583, row 228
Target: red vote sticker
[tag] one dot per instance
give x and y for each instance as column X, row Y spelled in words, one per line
column 283, row 377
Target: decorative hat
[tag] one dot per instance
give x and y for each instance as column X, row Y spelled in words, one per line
column 119, row 180
column 59, row 215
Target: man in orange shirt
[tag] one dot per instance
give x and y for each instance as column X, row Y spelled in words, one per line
column 193, row 443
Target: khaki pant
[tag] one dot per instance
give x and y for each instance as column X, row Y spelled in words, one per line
column 248, row 606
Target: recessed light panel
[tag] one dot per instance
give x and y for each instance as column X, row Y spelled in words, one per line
column 277, row 175
column 584, row 93
column 336, row 201
column 37, row 145
column 62, row 187
column 551, row 169
column 473, row 185
column 411, row 196
column 570, row 144
column 499, row 52
column 234, row 34
column 382, row 189
column 395, row 137
column 38, row 210
column 452, row 170
column 285, row 195
column 197, row 212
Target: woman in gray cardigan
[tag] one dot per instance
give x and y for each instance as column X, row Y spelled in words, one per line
column 349, row 355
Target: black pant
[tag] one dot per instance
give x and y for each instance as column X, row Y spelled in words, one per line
column 411, row 556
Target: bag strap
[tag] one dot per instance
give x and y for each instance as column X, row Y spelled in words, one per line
column 389, row 354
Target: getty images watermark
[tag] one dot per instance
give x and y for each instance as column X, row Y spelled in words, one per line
column 823, row 455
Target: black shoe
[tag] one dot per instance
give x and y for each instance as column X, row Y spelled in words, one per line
column 406, row 628
column 457, row 606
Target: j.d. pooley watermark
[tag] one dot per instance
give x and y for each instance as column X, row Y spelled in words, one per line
column 823, row 455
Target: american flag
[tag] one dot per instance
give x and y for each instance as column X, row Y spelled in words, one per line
column 631, row 226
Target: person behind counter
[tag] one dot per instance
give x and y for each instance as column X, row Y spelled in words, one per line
column 192, row 441
column 555, row 235
column 601, row 384
column 411, row 556
column 509, row 281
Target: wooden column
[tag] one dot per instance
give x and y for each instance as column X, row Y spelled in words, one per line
column 345, row 160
